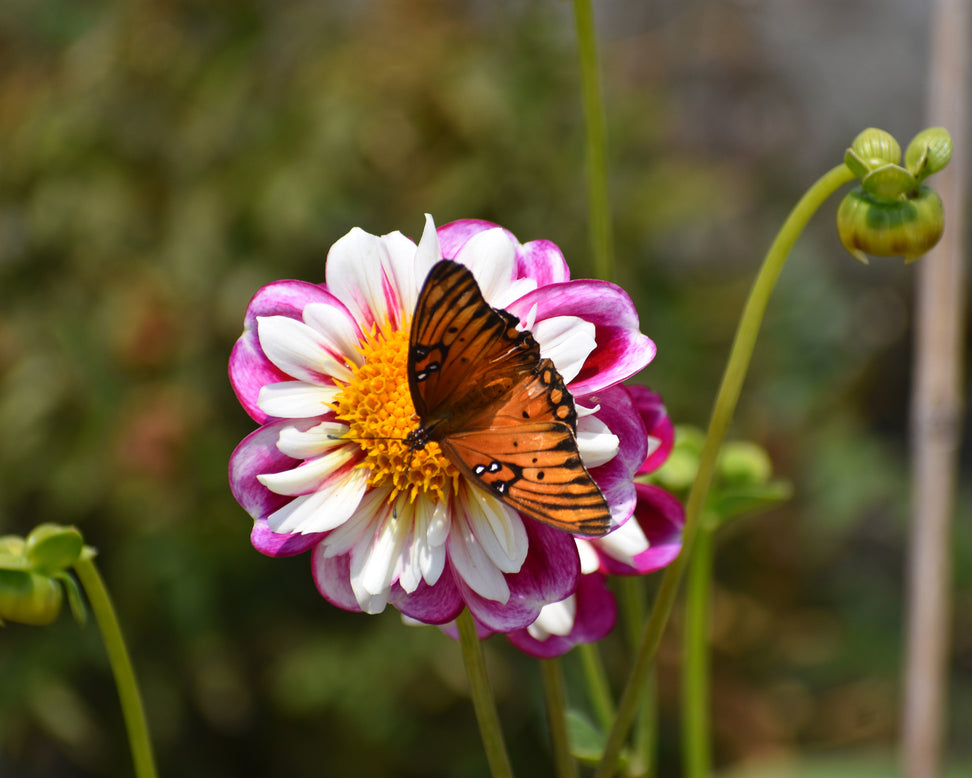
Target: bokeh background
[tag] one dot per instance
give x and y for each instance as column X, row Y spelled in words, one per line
column 160, row 160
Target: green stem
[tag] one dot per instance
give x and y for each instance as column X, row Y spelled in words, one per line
column 121, row 666
column 633, row 605
column 556, row 700
column 598, row 689
column 696, row 752
column 482, row 697
column 631, row 590
column 598, row 204
column 722, row 411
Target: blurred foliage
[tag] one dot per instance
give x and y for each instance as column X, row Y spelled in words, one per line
column 161, row 160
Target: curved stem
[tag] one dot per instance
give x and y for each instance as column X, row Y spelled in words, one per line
column 697, row 746
column 556, row 700
column 121, row 666
column 722, row 411
column 599, row 208
column 482, row 697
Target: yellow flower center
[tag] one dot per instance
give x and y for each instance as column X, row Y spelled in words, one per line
column 377, row 406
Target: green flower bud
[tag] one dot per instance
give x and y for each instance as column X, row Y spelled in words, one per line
column 872, row 149
column 678, row 471
column 52, row 547
column 744, row 463
column 906, row 226
column 28, row 598
column 928, row 152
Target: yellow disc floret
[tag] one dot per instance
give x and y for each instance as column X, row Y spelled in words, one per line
column 377, row 407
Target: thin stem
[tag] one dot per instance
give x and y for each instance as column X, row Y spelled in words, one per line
column 598, row 204
column 556, row 700
column 482, row 697
column 631, row 593
column 121, row 666
column 722, row 411
column 696, row 752
column 645, row 736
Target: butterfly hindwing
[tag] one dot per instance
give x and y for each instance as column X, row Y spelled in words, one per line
column 536, row 469
column 501, row 414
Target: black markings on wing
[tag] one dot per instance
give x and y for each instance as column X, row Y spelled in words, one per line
column 536, row 469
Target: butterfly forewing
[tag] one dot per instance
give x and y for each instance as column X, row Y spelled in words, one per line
column 458, row 343
column 500, row 413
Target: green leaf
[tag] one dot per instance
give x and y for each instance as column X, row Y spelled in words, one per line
column 743, row 500
column 586, row 740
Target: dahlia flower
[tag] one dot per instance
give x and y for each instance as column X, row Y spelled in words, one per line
column 322, row 369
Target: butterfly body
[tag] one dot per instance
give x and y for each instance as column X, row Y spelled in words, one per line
column 499, row 412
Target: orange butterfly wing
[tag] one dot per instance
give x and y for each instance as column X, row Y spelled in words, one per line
column 500, row 413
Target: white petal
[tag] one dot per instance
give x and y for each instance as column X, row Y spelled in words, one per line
column 582, row 411
column 370, row 603
column 411, row 274
column 490, row 256
column 653, row 445
column 329, row 507
column 567, row 341
column 555, row 618
column 588, row 556
column 439, row 524
column 376, row 559
column 595, row 441
column 360, row 273
column 426, row 555
column 498, row 528
column 309, row 475
column 296, row 399
column 312, row 442
column 625, row 543
column 473, row 565
column 338, row 330
column 300, row 351
column 514, row 291
column 410, row 573
column 370, row 511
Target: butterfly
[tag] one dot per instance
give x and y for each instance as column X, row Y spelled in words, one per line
column 500, row 413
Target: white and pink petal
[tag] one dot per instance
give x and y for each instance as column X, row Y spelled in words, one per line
column 567, row 341
column 301, row 351
column 622, row 350
column 661, row 518
column 296, row 399
column 249, row 368
column 362, row 272
column 550, row 573
column 595, row 613
column 335, row 501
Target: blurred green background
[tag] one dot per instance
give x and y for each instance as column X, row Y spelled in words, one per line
column 160, row 161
